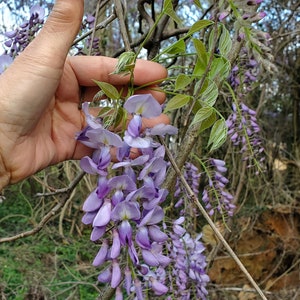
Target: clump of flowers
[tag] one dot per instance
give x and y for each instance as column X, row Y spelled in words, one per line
column 17, row 40
column 91, row 45
column 138, row 252
column 214, row 195
column 125, row 208
column 188, row 276
column 192, row 175
column 244, row 130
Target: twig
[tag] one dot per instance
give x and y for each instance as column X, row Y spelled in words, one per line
column 120, row 14
column 64, row 196
column 194, row 199
column 94, row 29
column 101, row 25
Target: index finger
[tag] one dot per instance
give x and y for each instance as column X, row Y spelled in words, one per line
column 87, row 68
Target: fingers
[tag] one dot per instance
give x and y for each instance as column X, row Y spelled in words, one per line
column 100, row 68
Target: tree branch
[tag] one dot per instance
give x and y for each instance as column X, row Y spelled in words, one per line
column 196, row 202
column 64, row 195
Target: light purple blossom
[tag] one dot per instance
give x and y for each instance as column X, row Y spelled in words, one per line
column 5, row 61
column 143, row 105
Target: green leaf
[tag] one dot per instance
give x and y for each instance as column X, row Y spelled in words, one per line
column 177, row 102
column 218, row 134
column 211, row 38
column 201, row 52
column 197, row 3
column 207, row 123
column 225, row 42
column 126, row 63
column 169, row 10
column 210, row 95
column 199, row 68
column 105, row 111
column 202, row 114
column 109, row 90
column 182, row 81
column 220, row 68
column 176, row 48
column 199, row 25
column 121, row 117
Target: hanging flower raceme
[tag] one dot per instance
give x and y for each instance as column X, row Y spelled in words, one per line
column 125, row 209
column 188, row 277
column 17, row 40
column 214, row 195
column 243, row 130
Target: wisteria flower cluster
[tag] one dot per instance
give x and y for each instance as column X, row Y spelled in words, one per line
column 243, row 130
column 244, row 74
column 192, row 176
column 189, row 264
column 18, row 39
column 214, row 194
column 91, row 45
column 125, row 210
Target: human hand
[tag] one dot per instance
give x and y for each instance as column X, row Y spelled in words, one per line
column 40, row 92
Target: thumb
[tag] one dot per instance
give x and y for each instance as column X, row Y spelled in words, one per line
column 53, row 42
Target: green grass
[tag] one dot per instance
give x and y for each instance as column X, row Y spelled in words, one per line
column 45, row 265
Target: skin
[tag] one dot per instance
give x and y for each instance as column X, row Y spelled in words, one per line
column 40, row 92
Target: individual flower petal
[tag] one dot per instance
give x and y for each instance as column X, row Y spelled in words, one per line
column 138, row 289
column 125, row 233
column 116, row 274
column 126, row 211
column 145, row 105
column 37, row 10
column 116, row 245
column 103, row 188
column 138, row 142
column 11, row 34
column 134, row 126
column 142, row 238
column 156, row 234
column 5, row 61
column 103, row 216
column 149, row 258
column 122, row 182
column 92, row 203
column 88, row 165
column 118, row 294
column 105, row 276
column 102, row 254
column 104, row 137
column 153, row 217
column 89, row 217
column 158, row 288
column 128, row 280
column 162, row 130
column 97, row 233
column 133, row 254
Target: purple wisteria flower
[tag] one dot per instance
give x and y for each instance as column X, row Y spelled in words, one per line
column 17, row 40
column 91, row 46
column 243, row 130
column 188, row 277
column 214, row 195
column 5, row 61
column 127, row 198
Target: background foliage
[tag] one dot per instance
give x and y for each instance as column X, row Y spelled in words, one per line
column 55, row 263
